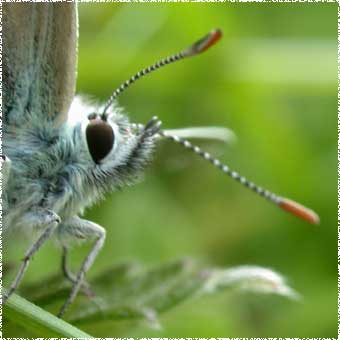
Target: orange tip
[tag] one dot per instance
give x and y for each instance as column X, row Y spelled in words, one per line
column 210, row 40
column 203, row 44
column 299, row 210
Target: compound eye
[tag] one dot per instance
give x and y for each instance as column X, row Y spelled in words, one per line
column 100, row 139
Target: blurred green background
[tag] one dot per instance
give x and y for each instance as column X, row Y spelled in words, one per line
column 273, row 81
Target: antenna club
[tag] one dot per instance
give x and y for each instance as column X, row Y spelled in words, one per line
column 203, row 44
column 212, row 38
column 299, row 210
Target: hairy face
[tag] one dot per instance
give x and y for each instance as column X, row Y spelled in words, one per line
column 118, row 149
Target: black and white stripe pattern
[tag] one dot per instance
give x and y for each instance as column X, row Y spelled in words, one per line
column 224, row 168
column 196, row 48
column 140, row 74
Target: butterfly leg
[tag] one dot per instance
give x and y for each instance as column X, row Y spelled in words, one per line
column 71, row 277
column 41, row 218
column 83, row 229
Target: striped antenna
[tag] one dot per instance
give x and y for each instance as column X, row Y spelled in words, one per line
column 198, row 47
column 284, row 203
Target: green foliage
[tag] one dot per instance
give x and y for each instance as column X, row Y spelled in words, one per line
column 33, row 319
column 130, row 292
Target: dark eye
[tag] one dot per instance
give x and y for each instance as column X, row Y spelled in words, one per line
column 100, row 139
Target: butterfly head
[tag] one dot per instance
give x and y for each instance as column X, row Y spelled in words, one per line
column 117, row 149
column 117, row 146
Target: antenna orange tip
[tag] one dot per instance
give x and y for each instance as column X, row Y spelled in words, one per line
column 299, row 210
column 211, row 39
column 203, row 44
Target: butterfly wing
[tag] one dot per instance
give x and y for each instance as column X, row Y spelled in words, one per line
column 39, row 60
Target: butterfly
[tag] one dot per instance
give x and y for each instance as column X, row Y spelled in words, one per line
column 55, row 162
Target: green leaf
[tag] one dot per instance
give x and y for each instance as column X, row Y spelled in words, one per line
column 145, row 293
column 130, row 292
column 37, row 320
